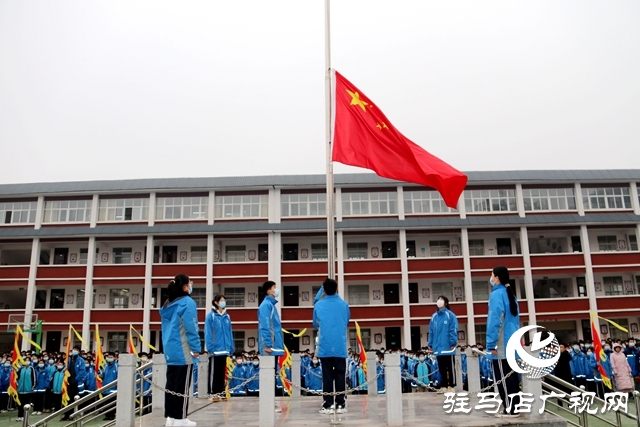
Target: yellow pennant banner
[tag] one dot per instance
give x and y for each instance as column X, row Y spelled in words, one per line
column 623, row 329
column 295, row 335
column 84, row 344
column 24, row 337
column 142, row 340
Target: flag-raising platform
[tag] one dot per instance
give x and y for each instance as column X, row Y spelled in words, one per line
column 418, row 409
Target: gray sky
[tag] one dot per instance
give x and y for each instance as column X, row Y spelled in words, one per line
column 111, row 90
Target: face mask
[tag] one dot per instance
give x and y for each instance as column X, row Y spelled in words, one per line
column 6, row 365
column 422, row 358
column 233, row 358
column 27, row 363
column 589, row 353
column 51, row 362
column 315, row 362
column 45, row 358
column 109, row 360
column 377, row 360
column 222, row 304
column 606, row 347
column 239, row 361
column 256, row 363
column 86, row 365
column 40, row 365
column 491, row 280
column 190, row 288
column 143, row 359
column 632, row 344
column 576, row 348
column 440, row 303
column 60, row 368
column 74, row 353
column 276, row 293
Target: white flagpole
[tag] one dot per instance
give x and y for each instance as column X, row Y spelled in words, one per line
column 331, row 251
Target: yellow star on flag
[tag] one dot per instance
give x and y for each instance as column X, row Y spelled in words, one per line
column 355, row 100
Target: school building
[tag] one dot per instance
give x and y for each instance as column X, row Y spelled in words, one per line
column 102, row 252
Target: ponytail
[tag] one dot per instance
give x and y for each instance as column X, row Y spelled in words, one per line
column 175, row 286
column 513, row 304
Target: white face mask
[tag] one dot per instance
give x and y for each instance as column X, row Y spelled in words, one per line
column 440, row 303
column 491, row 281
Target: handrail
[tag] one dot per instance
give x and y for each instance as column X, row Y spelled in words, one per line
column 90, row 396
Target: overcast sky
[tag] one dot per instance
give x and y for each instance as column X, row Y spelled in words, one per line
column 122, row 89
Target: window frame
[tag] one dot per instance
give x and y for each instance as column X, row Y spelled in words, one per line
column 353, row 204
column 241, row 206
column 312, row 202
column 358, row 250
column 483, row 201
column 182, row 205
column 603, row 196
column 428, row 202
column 57, row 207
column 235, row 296
column 531, row 196
column 356, row 294
column 123, row 210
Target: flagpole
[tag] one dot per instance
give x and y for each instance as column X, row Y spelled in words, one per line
column 330, row 201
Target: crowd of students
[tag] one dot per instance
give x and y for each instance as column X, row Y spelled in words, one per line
column 40, row 380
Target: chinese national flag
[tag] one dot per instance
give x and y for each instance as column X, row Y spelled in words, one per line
column 599, row 352
column 364, row 137
column 363, row 354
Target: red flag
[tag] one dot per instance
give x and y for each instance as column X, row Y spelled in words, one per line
column 284, row 363
column 364, row 137
column 363, row 354
column 16, row 363
column 599, row 352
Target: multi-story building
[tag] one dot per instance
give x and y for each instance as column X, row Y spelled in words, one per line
column 86, row 253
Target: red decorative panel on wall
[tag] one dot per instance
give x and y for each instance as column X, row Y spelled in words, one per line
column 239, row 270
column 376, row 312
column 60, row 271
column 171, row 270
column 118, row 270
column 561, row 305
column 60, row 316
column 116, row 316
column 9, row 272
column 487, row 263
column 437, row 264
column 377, row 266
column 615, row 258
column 557, row 260
column 304, row 267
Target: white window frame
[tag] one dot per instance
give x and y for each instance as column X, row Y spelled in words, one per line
column 319, row 251
column 235, row 253
column 374, row 203
column 242, row 206
column 80, row 298
column 358, row 294
column 480, row 290
column 119, row 298
column 176, row 208
column 425, row 202
column 442, row 288
column 83, row 253
column 199, row 295
column 475, row 248
column 21, row 212
column 549, row 199
column 297, row 205
column 122, row 255
column 608, row 243
column 117, row 341
column 234, row 296
column 61, row 211
column 114, row 210
column 198, row 253
column 439, row 248
column 502, row 200
column 356, row 250
column 613, row 285
column 606, row 198
column 366, row 339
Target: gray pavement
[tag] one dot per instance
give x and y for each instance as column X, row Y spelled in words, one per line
column 419, row 409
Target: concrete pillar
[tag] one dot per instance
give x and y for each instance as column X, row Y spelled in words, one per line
column 394, row 390
column 468, row 286
column 39, row 213
column 633, row 192
column 152, row 209
column 338, row 204
column 528, row 276
column 404, row 279
column 211, row 207
column 473, row 370
column 295, row 374
column 371, row 372
column 520, row 200
column 275, row 263
column 534, row 387
column 148, row 293
column 400, row 192
column 88, row 295
column 267, row 391
column 274, row 206
column 159, row 378
column 126, row 398
column 579, row 201
column 458, row 368
column 31, row 288
column 203, row 375
column 95, row 206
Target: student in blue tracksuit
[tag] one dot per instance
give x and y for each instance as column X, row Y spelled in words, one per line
column 43, row 381
column 75, row 366
column 239, row 375
column 443, row 339
column 181, row 343
column 5, row 375
column 382, row 387
column 331, row 319
column 146, row 385
column 26, row 384
column 253, row 387
column 503, row 321
column 463, row 366
column 361, row 380
column 90, row 382
column 313, row 378
column 434, row 376
column 56, row 386
column 109, row 374
column 591, row 371
column 48, row 398
column 579, row 366
column 218, row 337
column 270, row 337
column 421, row 372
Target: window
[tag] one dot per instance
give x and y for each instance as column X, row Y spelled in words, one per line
column 319, row 251
column 67, row 211
column 182, row 207
column 369, row 203
column 60, row 255
column 119, row 298
column 582, row 286
column 263, row 252
column 358, row 294
column 606, row 198
column 549, row 199
column 411, row 248
column 476, row 247
column 357, row 250
column 303, row 204
column 82, row 259
column 235, row 253
column 442, row 289
column 365, row 334
column 56, row 299
column 198, row 254
column 234, row 297
column 439, row 248
column 481, row 333
column 421, row 202
column 607, row 243
column 290, row 252
column 247, row 206
column 80, row 299
column 576, row 243
column 18, row 212
column 199, row 295
column 117, row 341
column 480, row 290
column 122, row 255
column 123, row 210
column 490, row 201
column 238, row 340
column 633, row 242
column 637, row 285
column 613, row 285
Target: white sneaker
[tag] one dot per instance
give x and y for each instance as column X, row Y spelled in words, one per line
column 324, row 410
column 441, row 390
column 169, row 422
column 184, row 422
column 341, row 409
column 19, row 419
column 451, row 390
